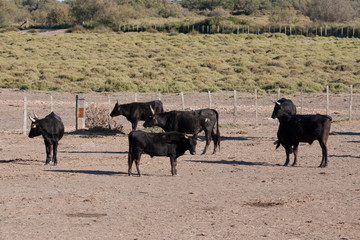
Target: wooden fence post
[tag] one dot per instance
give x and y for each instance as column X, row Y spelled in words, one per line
column 182, row 101
column 159, row 96
column 351, row 101
column 301, row 101
column 235, row 106
column 256, row 109
column 109, row 109
column 25, row 115
column 325, row 30
column 210, row 103
column 278, row 93
column 327, row 100
column 353, row 31
column 80, row 113
column 135, row 97
column 51, row 104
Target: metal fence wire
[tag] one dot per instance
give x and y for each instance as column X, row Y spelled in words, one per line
column 234, row 108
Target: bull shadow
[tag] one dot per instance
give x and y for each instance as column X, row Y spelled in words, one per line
column 21, row 161
column 7, row 161
column 90, row 172
column 96, row 132
column 346, row 133
column 232, row 162
column 229, row 138
column 235, row 138
column 344, row 156
column 93, row 152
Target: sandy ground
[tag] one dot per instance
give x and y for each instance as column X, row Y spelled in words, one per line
column 243, row 192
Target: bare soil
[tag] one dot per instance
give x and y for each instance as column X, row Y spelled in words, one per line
column 243, row 192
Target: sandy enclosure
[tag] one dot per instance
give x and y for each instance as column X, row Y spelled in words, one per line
column 243, row 192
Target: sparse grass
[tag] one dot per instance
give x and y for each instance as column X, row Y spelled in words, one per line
column 168, row 62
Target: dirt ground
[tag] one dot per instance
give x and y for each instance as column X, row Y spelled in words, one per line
column 243, row 192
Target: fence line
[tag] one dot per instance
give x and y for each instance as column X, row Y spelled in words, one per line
column 249, row 108
column 312, row 30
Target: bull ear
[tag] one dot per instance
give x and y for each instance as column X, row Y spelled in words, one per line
column 32, row 119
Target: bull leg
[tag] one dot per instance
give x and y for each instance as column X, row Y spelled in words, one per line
column 208, row 140
column 324, row 155
column 288, row 151
column 55, row 145
column 214, row 138
column 137, row 162
column 134, row 125
column 130, row 163
column 173, row 162
column 295, row 154
column 48, row 152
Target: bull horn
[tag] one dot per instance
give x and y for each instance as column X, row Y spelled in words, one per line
column 152, row 110
column 277, row 103
column 117, row 102
column 32, row 119
column 35, row 116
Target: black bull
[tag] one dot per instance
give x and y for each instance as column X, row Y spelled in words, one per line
column 170, row 144
column 294, row 129
column 136, row 111
column 52, row 130
column 190, row 122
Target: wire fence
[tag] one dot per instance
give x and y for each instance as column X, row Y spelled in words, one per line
column 312, row 30
column 235, row 109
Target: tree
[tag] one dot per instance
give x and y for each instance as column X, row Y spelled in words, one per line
column 11, row 13
column 330, row 10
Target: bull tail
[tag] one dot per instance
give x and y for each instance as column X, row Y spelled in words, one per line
column 218, row 137
column 277, row 142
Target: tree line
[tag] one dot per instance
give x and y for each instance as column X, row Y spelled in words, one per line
column 111, row 13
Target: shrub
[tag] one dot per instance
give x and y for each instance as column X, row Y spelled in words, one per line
column 98, row 117
column 330, row 10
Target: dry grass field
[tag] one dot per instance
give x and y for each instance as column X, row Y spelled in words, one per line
column 171, row 62
column 243, row 192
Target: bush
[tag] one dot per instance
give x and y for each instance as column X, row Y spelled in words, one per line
column 330, row 10
column 217, row 12
column 98, row 117
column 77, row 29
column 282, row 16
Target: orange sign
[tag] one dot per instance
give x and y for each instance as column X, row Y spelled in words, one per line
column 81, row 112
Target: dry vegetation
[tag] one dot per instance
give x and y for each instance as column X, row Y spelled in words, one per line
column 170, row 62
